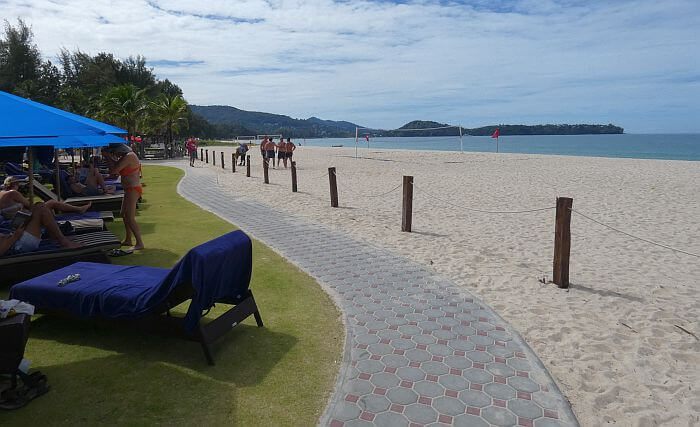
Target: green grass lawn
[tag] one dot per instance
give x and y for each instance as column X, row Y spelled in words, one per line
column 277, row 375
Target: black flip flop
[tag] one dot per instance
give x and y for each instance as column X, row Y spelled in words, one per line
column 120, row 252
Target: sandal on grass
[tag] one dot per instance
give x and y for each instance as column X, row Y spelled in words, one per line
column 120, row 252
column 34, row 385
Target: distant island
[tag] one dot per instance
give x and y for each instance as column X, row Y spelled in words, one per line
column 223, row 121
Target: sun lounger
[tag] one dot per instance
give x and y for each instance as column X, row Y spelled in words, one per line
column 106, row 202
column 218, row 271
column 50, row 256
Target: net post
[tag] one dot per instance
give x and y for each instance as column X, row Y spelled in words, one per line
column 562, row 242
column 206, row 152
column 201, row 154
column 356, row 130
column 461, row 145
column 247, row 166
column 213, row 158
column 333, row 187
column 233, row 162
column 294, row 177
column 407, row 209
column 222, row 161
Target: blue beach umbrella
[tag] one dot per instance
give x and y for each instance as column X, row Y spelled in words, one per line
column 22, row 118
column 25, row 123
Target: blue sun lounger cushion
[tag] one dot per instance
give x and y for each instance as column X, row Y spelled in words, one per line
column 218, row 270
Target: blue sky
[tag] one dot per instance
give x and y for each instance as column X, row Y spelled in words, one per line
column 634, row 63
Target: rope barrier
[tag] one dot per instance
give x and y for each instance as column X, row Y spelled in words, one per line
column 371, row 195
column 635, row 237
column 482, row 210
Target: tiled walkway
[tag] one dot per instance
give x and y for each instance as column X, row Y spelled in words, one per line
column 419, row 350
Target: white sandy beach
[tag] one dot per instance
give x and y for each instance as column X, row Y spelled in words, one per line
column 612, row 341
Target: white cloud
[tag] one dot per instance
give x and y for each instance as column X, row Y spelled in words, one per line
column 631, row 62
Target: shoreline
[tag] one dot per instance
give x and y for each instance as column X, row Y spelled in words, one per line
column 467, row 152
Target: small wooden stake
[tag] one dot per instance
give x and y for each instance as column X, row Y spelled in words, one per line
column 223, row 165
column 233, row 162
column 265, row 171
column 407, row 210
column 201, row 154
column 247, row 166
column 334, row 187
column 207, row 154
column 213, row 157
column 294, row 177
column 562, row 242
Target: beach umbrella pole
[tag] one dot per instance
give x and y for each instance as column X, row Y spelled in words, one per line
column 30, row 159
column 57, row 171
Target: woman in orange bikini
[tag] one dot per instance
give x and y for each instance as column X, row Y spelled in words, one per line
column 124, row 162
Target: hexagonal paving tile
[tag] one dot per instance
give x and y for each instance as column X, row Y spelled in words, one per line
column 390, row 419
column 402, row 396
column 422, row 414
column 449, row 406
column 384, row 380
column 499, row 416
column 373, row 403
column 429, row 388
column 475, row 398
column 453, row 382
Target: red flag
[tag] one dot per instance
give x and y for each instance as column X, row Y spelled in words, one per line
column 496, row 134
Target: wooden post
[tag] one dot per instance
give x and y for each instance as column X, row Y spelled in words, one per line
column 334, row 187
column 265, row 171
column 201, row 154
column 294, row 177
column 233, row 162
column 206, row 152
column 30, row 158
column 247, row 166
column 213, row 158
column 57, row 173
column 562, row 242
column 407, row 211
column 223, row 166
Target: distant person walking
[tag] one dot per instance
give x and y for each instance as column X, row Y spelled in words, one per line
column 192, row 150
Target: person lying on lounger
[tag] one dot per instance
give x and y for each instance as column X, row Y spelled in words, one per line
column 27, row 237
column 95, row 180
column 11, row 200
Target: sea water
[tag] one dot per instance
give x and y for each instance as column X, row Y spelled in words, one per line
column 639, row 146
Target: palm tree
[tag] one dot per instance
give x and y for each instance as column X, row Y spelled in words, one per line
column 168, row 113
column 124, row 106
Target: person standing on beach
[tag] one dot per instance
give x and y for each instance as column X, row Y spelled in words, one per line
column 262, row 148
column 269, row 148
column 290, row 151
column 282, row 152
column 241, row 153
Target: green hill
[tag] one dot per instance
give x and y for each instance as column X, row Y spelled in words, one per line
column 267, row 123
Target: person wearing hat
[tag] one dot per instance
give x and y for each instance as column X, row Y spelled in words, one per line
column 11, row 201
column 27, row 237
